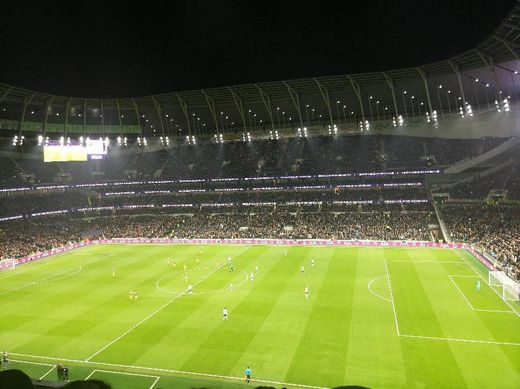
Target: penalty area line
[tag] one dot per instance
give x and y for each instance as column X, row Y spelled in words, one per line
column 460, row 340
column 170, row 371
column 480, row 275
column 471, row 305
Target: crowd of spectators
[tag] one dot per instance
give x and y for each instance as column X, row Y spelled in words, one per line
column 493, row 228
column 302, row 208
column 21, row 238
column 448, row 151
column 286, row 156
column 35, row 202
column 377, row 222
column 479, row 188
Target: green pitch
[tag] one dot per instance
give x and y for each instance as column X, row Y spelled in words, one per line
column 377, row 317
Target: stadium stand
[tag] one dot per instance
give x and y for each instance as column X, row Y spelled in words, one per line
column 264, row 188
column 494, row 228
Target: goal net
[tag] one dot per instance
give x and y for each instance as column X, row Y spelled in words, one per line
column 7, row 264
column 510, row 289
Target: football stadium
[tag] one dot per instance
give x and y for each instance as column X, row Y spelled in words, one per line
column 353, row 230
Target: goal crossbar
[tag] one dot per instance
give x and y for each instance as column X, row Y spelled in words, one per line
column 510, row 289
column 8, row 264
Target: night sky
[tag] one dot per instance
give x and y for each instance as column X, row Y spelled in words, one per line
column 121, row 48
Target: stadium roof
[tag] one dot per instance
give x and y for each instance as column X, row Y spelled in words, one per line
column 501, row 46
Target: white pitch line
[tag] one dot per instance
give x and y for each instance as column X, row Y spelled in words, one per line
column 49, row 372
column 30, row 362
column 392, row 298
column 170, row 371
column 121, row 373
column 471, row 305
column 37, row 363
column 157, row 285
column 44, row 357
column 495, row 310
column 155, row 382
column 463, row 276
column 374, row 293
column 460, row 291
column 56, row 277
column 480, row 275
column 461, row 340
column 425, row 261
column 440, row 262
column 90, row 375
column 149, row 316
column 157, row 310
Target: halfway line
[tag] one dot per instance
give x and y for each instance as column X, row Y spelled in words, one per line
column 156, row 311
column 392, row 298
column 149, row 316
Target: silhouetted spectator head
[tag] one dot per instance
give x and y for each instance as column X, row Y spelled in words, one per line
column 10, row 379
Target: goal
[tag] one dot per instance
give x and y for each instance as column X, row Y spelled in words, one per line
column 7, row 264
column 510, row 289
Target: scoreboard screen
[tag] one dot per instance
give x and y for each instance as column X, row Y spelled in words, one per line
column 53, row 153
column 75, row 152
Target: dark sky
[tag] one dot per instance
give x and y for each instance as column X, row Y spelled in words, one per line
column 130, row 48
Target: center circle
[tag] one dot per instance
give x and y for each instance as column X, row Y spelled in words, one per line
column 177, row 282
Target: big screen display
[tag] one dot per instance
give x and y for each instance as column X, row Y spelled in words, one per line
column 94, row 149
column 52, row 153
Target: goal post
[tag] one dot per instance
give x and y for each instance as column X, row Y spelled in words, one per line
column 7, row 264
column 495, row 278
column 510, row 289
